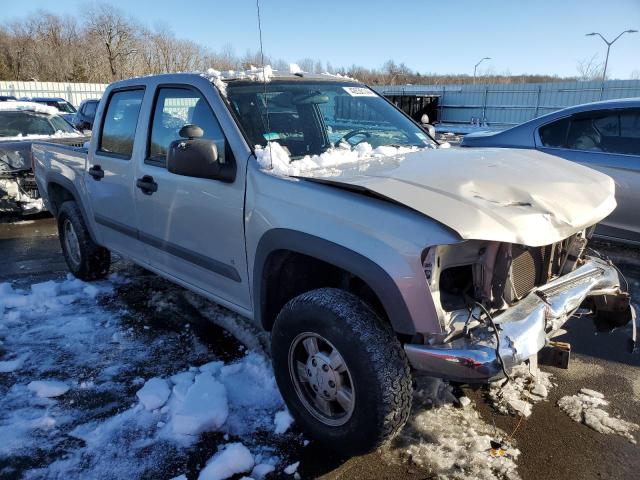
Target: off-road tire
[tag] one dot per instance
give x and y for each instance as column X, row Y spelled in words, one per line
column 94, row 260
column 375, row 358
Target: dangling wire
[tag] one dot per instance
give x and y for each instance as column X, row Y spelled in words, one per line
column 264, row 81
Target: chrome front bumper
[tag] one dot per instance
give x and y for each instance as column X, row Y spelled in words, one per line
column 524, row 328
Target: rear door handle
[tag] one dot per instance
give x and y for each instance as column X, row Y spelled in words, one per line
column 147, row 185
column 96, row 172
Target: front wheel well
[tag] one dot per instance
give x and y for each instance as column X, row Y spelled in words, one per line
column 287, row 274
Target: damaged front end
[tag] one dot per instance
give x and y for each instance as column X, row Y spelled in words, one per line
column 499, row 304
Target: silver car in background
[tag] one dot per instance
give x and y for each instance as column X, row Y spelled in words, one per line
column 601, row 135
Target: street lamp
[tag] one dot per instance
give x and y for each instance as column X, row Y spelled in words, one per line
column 609, row 43
column 476, row 67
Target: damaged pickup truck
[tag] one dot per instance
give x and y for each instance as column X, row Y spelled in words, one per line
column 21, row 123
column 314, row 207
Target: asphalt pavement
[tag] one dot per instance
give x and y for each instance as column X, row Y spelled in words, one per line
column 552, row 445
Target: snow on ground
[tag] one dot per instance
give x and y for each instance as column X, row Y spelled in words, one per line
column 231, row 459
column 588, row 407
column 452, row 442
column 275, row 158
column 519, row 394
column 74, row 401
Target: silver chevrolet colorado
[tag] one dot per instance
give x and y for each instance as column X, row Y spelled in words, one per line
column 315, row 208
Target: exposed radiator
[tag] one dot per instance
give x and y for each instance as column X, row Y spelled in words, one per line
column 529, row 269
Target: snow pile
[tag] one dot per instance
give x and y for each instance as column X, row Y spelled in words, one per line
column 232, row 459
column 154, row 394
column 255, row 74
column 127, row 427
column 521, row 392
column 18, row 106
column 455, row 443
column 586, row 407
column 275, row 158
column 451, row 442
column 198, row 406
column 338, row 75
column 8, row 366
column 283, row 420
column 48, row 388
column 291, row 469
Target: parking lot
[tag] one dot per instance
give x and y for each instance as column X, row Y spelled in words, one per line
column 142, row 326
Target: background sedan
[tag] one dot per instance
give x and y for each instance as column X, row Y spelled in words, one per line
column 601, row 135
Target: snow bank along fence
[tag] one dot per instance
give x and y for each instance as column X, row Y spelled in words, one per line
column 72, row 92
column 506, row 104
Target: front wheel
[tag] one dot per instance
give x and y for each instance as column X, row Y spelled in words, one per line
column 341, row 371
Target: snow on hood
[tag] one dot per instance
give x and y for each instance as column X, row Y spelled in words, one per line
column 516, row 196
column 57, row 134
column 16, row 106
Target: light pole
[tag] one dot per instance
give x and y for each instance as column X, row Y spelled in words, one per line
column 609, row 43
column 476, row 67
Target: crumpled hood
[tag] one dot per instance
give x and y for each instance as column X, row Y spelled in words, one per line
column 517, row 196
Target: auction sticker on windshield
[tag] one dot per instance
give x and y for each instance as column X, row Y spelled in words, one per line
column 359, row 92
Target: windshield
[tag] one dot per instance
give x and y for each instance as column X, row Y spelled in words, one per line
column 308, row 118
column 14, row 124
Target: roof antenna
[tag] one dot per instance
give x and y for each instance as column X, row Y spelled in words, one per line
column 264, row 81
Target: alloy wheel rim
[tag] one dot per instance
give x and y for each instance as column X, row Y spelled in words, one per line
column 72, row 245
column 321, row 379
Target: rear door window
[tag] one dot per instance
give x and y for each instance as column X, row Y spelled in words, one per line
column 120, row 122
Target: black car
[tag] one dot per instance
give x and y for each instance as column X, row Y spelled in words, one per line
column 83, row 119
column 7, row 98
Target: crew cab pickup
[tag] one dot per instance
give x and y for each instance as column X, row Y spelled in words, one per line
column 317, row 209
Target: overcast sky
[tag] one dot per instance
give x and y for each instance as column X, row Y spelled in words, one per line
column 536, row 36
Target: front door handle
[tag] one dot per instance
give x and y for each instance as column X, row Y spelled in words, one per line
column 147, row 185
column 96, row 172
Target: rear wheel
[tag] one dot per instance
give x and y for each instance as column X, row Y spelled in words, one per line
column 85, row 259
column 341, row 371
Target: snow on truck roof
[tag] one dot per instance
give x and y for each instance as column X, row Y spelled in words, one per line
column 266, row 74
column 17, row 106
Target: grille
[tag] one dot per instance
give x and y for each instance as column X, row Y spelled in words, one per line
column 528, row 268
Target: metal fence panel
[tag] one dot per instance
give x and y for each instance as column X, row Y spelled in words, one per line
column 510, row 104
column 72, row 92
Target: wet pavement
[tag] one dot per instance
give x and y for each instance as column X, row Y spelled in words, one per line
column 552, row 445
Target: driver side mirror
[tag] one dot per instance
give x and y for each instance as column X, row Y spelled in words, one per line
column 193, row 156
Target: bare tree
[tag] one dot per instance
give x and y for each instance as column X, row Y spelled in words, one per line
column 109, row 27
column 590, row 68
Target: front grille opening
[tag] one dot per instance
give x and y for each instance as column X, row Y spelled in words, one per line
column 456, row 284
